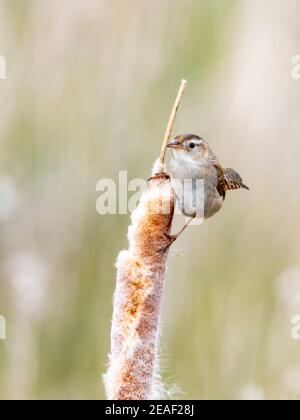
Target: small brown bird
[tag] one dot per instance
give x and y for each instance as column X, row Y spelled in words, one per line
column 193, row 160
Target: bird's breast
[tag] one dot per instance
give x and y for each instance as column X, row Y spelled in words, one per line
column 195, row 186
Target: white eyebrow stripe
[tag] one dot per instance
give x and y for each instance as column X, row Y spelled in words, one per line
column 197, row 141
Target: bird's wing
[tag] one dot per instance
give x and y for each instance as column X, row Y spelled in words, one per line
column 221, row 186
column 228, row 179
column 233, row 180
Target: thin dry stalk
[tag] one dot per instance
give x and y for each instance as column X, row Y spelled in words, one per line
column 133, row 363
column 170, row 125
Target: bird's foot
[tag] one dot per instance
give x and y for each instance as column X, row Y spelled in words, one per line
column 161, row 175
column 171, row 239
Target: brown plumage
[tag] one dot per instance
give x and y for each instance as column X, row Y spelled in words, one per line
column 193, row 159
column 228, row 179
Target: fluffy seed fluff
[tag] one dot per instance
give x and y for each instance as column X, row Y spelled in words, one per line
column 133, row 372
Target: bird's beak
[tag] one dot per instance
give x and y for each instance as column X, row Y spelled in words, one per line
column 174, row 144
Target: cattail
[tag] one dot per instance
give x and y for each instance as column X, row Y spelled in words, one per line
column 133, row 372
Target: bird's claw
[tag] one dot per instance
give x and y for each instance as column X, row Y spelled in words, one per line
column 171, row 239
column 161, row 175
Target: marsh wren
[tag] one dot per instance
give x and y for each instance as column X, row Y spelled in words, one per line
column 193, row 160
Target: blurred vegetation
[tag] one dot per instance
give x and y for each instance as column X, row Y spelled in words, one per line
column 88, row 93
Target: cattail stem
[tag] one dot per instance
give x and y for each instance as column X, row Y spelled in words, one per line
column 171, row 122
column 133, row 363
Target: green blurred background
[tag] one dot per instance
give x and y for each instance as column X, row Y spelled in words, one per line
column 89, row 88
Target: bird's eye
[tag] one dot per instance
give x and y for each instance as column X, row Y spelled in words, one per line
column 192, row 145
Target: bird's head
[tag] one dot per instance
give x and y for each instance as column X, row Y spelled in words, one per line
column 192, row 146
